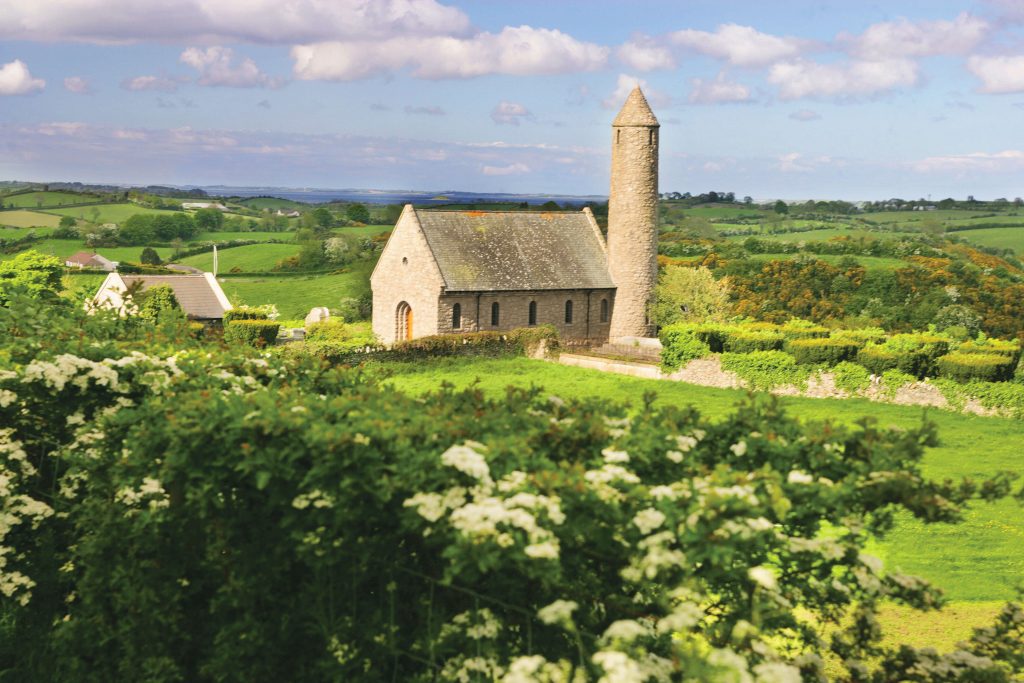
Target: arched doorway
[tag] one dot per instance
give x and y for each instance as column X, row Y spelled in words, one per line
column 403, row 322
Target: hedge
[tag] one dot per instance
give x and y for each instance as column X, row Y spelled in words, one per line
column 966, row 367
column 803, row 329
column 247, row 313
column 742, row 341
column 1000, row 347
column 252, row 332
column 679, row 345
column 822, row 351
column 765, row 369
column 864, row 335
column 878, row 359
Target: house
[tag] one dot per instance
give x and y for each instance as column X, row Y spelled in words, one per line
column 287, row 214
column 84, row 259
column 464, row 271
column 188, row 206
column 200, row 296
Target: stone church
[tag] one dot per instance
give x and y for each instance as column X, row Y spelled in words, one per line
column 444, row 272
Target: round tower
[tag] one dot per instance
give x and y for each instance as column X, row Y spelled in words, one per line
column 633, row 216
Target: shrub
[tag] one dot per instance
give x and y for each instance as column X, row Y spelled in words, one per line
column 1002, row 347
column 802, row 329
column 680, row 345
column 878, row 360
column 252, row 332
column 744, row 341
column 822, row 350
column 965, row 367
column 850, row 377
column 893, row 380
column 250, row 313
column 864, row 335
column 765, row 369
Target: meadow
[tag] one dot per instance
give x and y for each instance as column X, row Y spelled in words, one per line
column 1003, row 238
column 107, row 213
column 7, row 233
column 294, row 295
column 253, row 258
column 869, row 262
column 64, row 248
column 32, row 200
column 28, row 219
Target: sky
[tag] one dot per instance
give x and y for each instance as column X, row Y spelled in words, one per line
column 798, row 99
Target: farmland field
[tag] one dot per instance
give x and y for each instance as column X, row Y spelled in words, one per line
column 31, row 200
column 821, row 235
column 869, row 262
column 17, row 233
column 260, row 203
column 108, row 213
column 364, row 230
column 253, row 258
column 1004, row 238
column 295, row 295
column 28, row 219
column 257, row 236
column 64, row 248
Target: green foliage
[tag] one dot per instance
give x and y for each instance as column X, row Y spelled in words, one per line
column 156, row 302
column 861, row 335
column 396, row 538
column 143, row 228
column 67, row 222
column 764, row 370
column 209, row 220
column 822, row 350
column 257, row 333
column 796, row 328
column 688, row 294
column 914, row 354
column 38, row 274
column 680, row 345
column 987, row 367
column 358, row 213
column 150, row 257
column 745, row 340
column 250, row 313
column 851, row 377
column 893, row 380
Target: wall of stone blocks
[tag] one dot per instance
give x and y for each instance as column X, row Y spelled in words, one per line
column 514, row 312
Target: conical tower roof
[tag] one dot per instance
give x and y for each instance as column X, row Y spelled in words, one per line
column 636, row 111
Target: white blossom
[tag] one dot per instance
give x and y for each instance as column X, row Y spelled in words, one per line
column 648, row 520
column 739, row 449
column 625, row 630
column 763, row 577
column 548, row 550
column 468, row 461
column 558, row 612
column 618, row 667
column 611, row 455
column 798, row 477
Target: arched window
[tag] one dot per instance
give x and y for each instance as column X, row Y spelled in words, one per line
column 568, row 312
column 604, row 310
column 457, row 316
column 495, row 317
column 403, row 322
column 533, row 313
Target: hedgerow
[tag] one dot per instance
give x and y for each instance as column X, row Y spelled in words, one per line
column 822, row 351
column 986, row 367
column 253, row 332
column 680, row 345
column 851, row 377
column 766, row 369
column 178, row 512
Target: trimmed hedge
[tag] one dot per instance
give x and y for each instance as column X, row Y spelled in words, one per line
column 765, row 369
column 247, row 313
column 680, row 345
column 743, row 341
column 967, row 367
column 822, row 351
column 803, row 329
column 252, row 332
column 878, row 359
column 864, row 335
column 999, row 347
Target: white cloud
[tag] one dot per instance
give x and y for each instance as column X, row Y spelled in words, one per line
column 802, row 78
column 805, row 115
column 15, row 79
column 510, row 113
column 160, row 83
column 223, row 21
column 1007, row 160
column 644, row 54
column 904, row 38
column 516, row 51
column 740, row 45
column 511, row 169
column 77, row 85
column 998, row 74
column 625, row 84
column 718, row 91
column 217, row 66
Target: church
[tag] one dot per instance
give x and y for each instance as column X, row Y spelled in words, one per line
column 446, row 272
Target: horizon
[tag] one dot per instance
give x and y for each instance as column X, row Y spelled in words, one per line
column 810, row 99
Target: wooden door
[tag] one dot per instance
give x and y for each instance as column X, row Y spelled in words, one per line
column 408, row 323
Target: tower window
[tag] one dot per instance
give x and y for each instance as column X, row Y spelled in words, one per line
column 533, row 313
column 652, row 136
column 604, row 310
column 456, row 316
column 618, row 136
column 495, row 316
column 568, row 312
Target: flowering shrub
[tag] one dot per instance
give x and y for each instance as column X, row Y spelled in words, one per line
column 175, row 512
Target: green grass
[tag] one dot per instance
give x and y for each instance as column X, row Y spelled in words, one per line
column 723, row 213
column 257, row 236
column 364, row 230
column 32, row 200
column 64, row 248
column 869, row 262
column 17, row 233
column 108, row 213
column 80, row 287
column 1004, row 238
column 295, row 295
column 260, row 203
column 821, row 235
column 915, row 216
column 253, row 258
column 980, row 559
column 28, row 219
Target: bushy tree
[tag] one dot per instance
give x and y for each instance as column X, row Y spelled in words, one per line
column 150, row 257
column 155, row 302
column 209, row 220
column 38, row 274
column 358, row 213
column 689, row 294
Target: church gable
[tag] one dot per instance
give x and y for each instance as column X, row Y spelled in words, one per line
column 478, row 251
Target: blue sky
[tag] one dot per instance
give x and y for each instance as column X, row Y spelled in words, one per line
column 795, row 99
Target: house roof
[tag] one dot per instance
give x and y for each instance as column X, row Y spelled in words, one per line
column 516, row 250
column 636, row 111
column 81, row 258
column 200, row 296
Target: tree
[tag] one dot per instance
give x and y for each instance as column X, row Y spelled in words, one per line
column 150, row 257
column 781, row 207
column 39, row 274
column 748, row 200
column 155, row 302
column 67, row 222
column 392, row 212
column 358, row 213
column 550, row 206
column 323, row 217
column 698, row 226
column 209, row 220
column 689, row 294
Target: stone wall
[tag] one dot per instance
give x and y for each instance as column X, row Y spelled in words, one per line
column 514, row 311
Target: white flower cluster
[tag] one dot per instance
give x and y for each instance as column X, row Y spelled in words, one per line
column 536, row 669
column 479, row 624
column 150, row 491
column 558, row 612
column 468, row 460
column 15, row 509
column 316, row 498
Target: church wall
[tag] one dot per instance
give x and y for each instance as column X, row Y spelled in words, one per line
column 514, row 312
column 406, row 272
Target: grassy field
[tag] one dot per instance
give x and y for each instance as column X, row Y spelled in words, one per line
column 260, row 203
column 724, row 213
column 869, row 262
column 82, row 286
column 364, row 230
column 257, row 236
column 979, row 560
column 28, row 219
column 17, row 233
column 1004, row 238
column 253, row 258
column 31, row 200
column 294, row 296
column 915, row 216
column 822, row 235
column 108, row 213
column 64, row 248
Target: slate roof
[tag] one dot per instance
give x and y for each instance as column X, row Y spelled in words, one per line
column 516, row 250
column 194, row 292
column 636, row 111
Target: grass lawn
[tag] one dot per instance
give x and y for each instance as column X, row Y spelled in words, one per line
column 869, row 262
column 821, row 235
column 257, row 236
column 108, row 213
column 63, row 248
column 364, row 230
column 260, row 203
column 82, row 286
column 28, row 219
column 914, row 216
column 295, row 295
column 1004, row 238
column 253, row 258
column 17, row 233
column 32, row 200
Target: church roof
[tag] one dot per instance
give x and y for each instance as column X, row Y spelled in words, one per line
column 516, row 250
column 636, row 111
